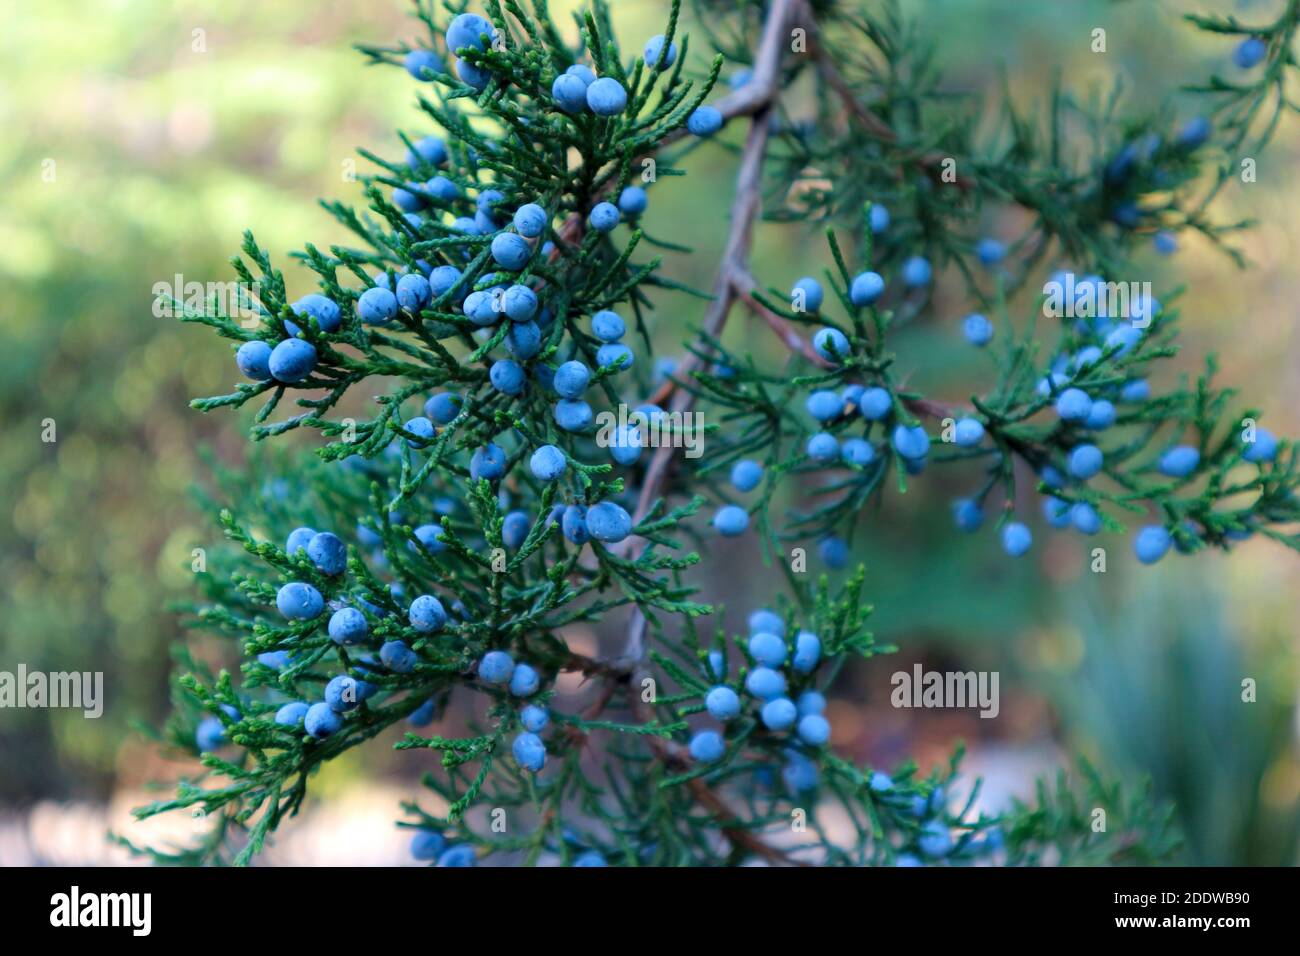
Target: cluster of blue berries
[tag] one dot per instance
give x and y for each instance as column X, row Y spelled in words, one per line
column 778, row 668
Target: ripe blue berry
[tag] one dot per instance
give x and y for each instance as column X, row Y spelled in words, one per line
column 765, row 683
column 935, row 840
column 299, row 602
column 298, row 537
column 746, row 475
column 707, row 746
column 866, row 288
column 525, row 681
column 1166, row 242
column 879, row 218
column 722, row 703
column 968, row 432
column 469, row 30
column 344, row 693
column 625, row 445
column 511, row 250
column 443, row 407
column 496, row 667
column 321, row 721
column 443, row 190
column 1073, row 405
column 291, row 714
column 377, row 306
column 277, row 660
column 606, row 97
column 571, row 379
column 1084, row 517
column 834, row 552
column 417, row 62
column 608, row 326
column 1056, row 512
column 569, row 93
column 534, row 718
column 704, row 121
column 397, row 657
column 768, row 649
column 590, row 859
column 779, row 714
column 422, row 429
column 573, row 416
column 916, row 272
column 1262, row 449
column 529, row 752
column 458, row 856
column 831, row 344
column 911, row 442
column 524, row 340
column 608, row 522
column 807, row 652
column 427, row 845
column 488, row 462
column 632, row 201
column 328, row 553
column 325, row 311
column 514, row 529
column 427, row 614
column 413, row 292
column 814, row 730
column 1084, row 461
column 1194, row 132
column 443, row 279
column 573, row 525
column 823, row 448
column 1137, row 390
column 990, row 252
column 530, row 220
column 811, row 702
column 1152, row 543
column 967, row 514
column 875, row 404
column 656, row 57
column 800, row 774
column 977, row 329
column 292, row 360
column 409, row 199
column 1122, row 340
column 348, row 626
column 507, row 376
column 615, row 354
column 824, row 405
column 1179, row 461
column 254, row 360
column 430, row 536
column 765, row 620
column 548, row 463
column 1016, row 539
column 429, row 150
column 1100, row 415
column 731, row 521
column 604, row 217
column 483, row 306
column 807, row 295
column 210, row 734
column 1250, row 53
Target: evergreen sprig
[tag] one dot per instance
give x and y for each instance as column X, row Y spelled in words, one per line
column 458, row 512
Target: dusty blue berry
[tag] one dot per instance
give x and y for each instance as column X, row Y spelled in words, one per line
column 768, row 649
column 348, row 626
column 704, row 121
column 977, row 329
column 658, row 58
column 746, row 475
column 572, row 415
column 707, row 746
column 529, row 752
column 1179, row 461
column 292, row 360
column 807, row 652
column 299, row 602
column 328, row 553
column 569, row 93
column 731, row 521
column 426, row 614
column 807, row 295
column 1084, row 461
column 496, row 667
column 765, row 683
column 814, row 730
column 608, row 326
column 254, row 360
column 547, row 463
column 1016, row 539
column 632, row 201
column 1152, row 543
column 534, row 719
column 571, row 379
column 525, row 681
column 866, row 288
column 604, row 217
column 606, row 97
column 722, row 703
column 779, row 714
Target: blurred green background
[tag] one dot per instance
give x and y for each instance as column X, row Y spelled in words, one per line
column 144, row 136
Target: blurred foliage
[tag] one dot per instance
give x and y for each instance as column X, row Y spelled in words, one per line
column 162, row 153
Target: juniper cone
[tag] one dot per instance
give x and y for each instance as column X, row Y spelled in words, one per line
column 462, row 531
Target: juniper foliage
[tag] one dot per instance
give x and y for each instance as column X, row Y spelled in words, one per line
column 874, row 127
